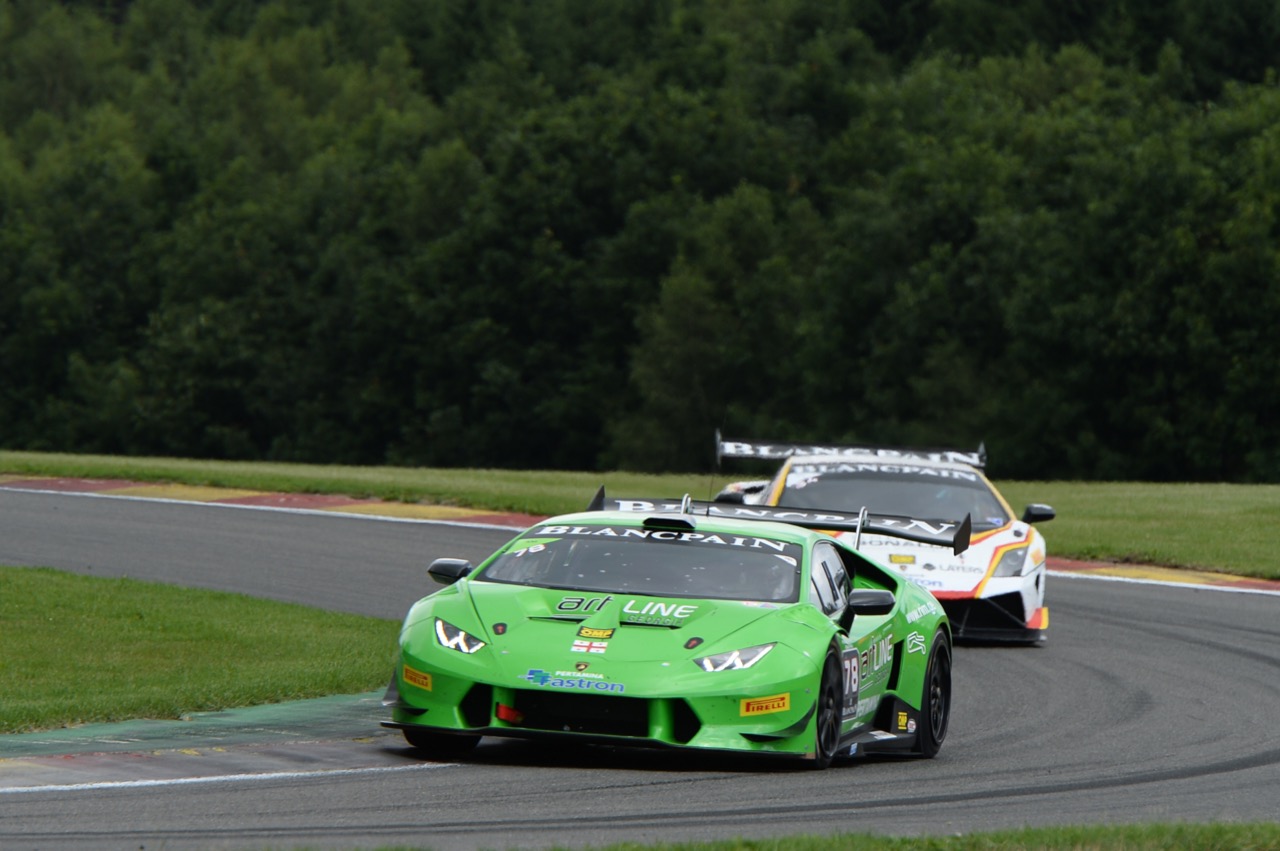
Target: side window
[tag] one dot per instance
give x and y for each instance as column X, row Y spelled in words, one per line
column 814, row 597
column 829, row 564
column 820, row 593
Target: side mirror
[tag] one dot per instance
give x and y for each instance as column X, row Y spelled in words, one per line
column 447, row 571
column 866, row 601
column 871, row 601
column 1038, row 512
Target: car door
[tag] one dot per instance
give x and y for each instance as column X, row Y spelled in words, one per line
column 868, row 649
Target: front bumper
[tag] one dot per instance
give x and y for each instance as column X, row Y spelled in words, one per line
column 1002, row 618
column 779, row 721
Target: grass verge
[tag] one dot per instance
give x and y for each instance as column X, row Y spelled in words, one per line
column 1154, row 837
column 80, row 649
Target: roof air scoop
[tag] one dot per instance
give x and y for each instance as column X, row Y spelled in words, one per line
column 675, row 522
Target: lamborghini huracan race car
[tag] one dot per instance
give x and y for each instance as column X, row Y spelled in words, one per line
column 686, row 625
column 993, row 591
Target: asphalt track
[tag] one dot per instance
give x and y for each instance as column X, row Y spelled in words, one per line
column 1150, row 702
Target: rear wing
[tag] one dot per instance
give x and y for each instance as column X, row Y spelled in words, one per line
column 775, row 451
column 943, row 533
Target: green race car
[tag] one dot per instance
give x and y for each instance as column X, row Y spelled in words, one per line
column 682, row 624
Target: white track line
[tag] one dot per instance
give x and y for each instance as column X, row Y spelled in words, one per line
column 219, row 778
column 1231, row 589
column 315, row 512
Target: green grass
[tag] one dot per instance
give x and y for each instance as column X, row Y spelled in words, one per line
column 1215, row 527
column 79, row 649
column 1155, row 837
column 1218, row 527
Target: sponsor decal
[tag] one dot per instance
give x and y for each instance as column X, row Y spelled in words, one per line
column 593, row 632
column 902, row 721
column 421, row 679
column 878, row 655
column 901, row 558
column 655, row 613
column 633, row 611
column 578, row 672
column 866, row 706
column 546, row 679
column 665, row 534
column 874, row 661
column 845, row 467
column 584, row 604
column 927, row 583
column 915, row 643
column 920, row 611
column 581, row 646
column 951, row 567
column 765, row 705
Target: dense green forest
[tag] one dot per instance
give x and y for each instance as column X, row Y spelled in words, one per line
column 583, row 234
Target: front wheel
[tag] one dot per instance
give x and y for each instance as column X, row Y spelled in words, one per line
column 440, row 745
column 827, row 716
column 935, row 701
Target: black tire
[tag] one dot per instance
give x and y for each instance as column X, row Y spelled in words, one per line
column 935, row 700
column 827, row 715
column 440, row 745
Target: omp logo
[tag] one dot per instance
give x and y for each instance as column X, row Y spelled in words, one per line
column 897, row 558
column 417, row 678
column 766, row 705
column 593, row 632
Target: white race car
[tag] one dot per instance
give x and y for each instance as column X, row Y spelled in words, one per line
column 993, row 591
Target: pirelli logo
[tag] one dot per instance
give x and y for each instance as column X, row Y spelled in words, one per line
column 766, row 705
column 417, row 678
column 593, row 632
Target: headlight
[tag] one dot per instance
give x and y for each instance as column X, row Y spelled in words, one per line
column 455, row 639
column 734, row 660
column 1012, row 562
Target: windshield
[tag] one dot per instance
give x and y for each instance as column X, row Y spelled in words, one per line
column 655, row 563
column 900, row 489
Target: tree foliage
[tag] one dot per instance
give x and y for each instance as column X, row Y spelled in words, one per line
column 585, row 233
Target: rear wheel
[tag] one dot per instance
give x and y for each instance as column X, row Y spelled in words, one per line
column 935, row 702
column 440, row 745
column 827, row 716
